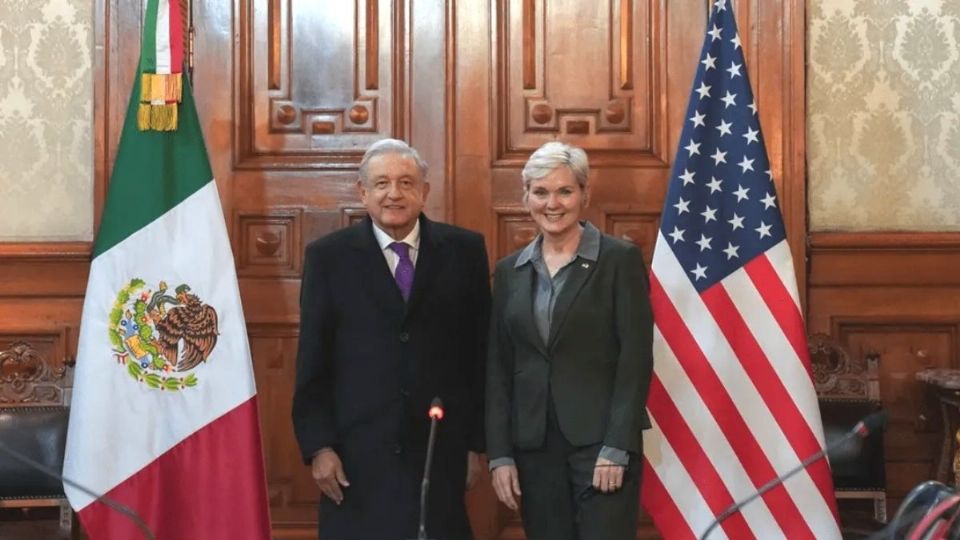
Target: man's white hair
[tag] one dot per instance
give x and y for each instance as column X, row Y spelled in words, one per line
column 392, row 146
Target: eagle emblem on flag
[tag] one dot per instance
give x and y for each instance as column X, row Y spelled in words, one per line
column 161, row 335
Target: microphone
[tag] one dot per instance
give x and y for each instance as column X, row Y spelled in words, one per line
column 436, row 414
column 123, row 509
column 862, row 429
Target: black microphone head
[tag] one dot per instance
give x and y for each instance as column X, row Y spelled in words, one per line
column 437, row 402
column 871, row 423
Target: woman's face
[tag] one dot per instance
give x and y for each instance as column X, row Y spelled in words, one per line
column 555, row 202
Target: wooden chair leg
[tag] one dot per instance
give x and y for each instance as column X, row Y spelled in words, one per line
column 880, row 508
column 66, row 516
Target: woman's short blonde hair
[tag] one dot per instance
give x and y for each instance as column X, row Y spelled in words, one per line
column 552, row 155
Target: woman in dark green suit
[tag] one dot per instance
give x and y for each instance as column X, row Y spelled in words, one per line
column 569, row 366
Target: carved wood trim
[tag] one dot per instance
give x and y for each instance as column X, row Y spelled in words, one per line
column 351, row 214
column 885, row 241
column 915, row 260
column 268, row 243
column 274, row 329
column 613, row 118
column 372, row 68
column 626, row 44
column 843, row 326
column 282, row 136
column 274, row 42
column 837, row 375
column 28, row 377
column 450, row 109
column 46, row 251
column 402, row 46
column 506, row 220
column 633, row 225
column 794, row 205
column 31, row 270
column 529, row 44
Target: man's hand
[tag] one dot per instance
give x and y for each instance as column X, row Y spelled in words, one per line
column 506, row 483
column 473, row 469
column 327, row 471
column 607, row 476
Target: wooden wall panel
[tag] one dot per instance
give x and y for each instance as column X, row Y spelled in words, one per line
column 599, row 79
column 292, row 492
column 318, row 82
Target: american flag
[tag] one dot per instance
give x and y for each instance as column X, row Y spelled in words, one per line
column 732, row 402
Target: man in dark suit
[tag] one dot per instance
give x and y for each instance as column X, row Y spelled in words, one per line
column 394, row 312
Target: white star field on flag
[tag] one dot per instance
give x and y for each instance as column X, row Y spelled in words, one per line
column 723, row 152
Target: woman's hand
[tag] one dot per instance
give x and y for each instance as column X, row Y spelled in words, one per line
column 607, row 476
column 506, row 483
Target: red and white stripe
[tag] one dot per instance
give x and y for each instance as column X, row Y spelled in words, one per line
column 169, row 38
column 733, row 405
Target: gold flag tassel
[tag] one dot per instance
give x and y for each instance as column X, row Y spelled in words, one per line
column 159, row 96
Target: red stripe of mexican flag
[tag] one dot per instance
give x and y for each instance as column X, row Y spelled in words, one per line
column 163, row 415
column 211, row 499
column 176, row 37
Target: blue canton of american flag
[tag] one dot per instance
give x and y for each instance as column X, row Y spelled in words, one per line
column 731, row 403
column 722, row 206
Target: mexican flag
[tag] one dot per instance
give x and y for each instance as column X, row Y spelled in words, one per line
column 163, row 416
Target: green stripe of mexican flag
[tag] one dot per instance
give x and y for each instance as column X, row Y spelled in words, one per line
column 148, row 46
column 153, row 172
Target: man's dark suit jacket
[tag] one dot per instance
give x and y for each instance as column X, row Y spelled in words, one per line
column 596, row 364
column 369, row 365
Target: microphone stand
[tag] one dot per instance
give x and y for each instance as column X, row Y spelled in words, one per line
column 436, row 414
column 732, row 509
column 123, row 509
column 862, row 429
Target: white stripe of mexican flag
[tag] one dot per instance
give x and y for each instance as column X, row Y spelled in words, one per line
column 185, row 245
column 163, row 38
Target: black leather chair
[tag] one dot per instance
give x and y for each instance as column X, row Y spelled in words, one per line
column 848, row 390
column 39, row 433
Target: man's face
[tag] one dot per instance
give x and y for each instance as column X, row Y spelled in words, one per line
column 394, row 193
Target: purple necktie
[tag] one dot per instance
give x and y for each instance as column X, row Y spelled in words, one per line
column 404, row 272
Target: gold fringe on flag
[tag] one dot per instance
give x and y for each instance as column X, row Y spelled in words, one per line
column 157, row 117
column 159, row 96
column 155, row 87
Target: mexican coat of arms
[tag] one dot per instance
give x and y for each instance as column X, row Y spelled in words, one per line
column 160, row 337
